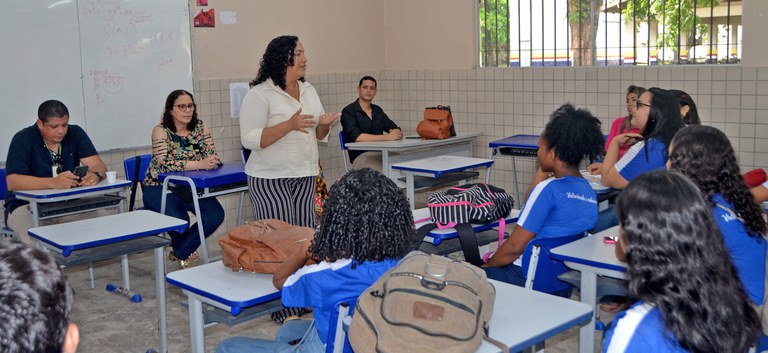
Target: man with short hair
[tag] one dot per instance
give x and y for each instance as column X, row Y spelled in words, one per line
column 35, row 302
column 364, row 121
column 44, row 156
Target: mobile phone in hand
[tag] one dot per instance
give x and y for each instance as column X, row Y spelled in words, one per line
column 81, row 171
column 610, row 239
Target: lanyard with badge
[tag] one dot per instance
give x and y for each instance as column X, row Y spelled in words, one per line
column 56, row 167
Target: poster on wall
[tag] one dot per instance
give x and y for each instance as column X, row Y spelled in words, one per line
column 237, row 91
column 205, row 18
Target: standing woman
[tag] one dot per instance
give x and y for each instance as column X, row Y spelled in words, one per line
column 281, row 120
column 181, row 142
column 691, row 299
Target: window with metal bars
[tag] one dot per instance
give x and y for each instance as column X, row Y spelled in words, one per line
column 521, row 33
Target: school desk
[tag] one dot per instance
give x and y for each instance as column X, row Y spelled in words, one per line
column 230, row 178
column 51, row 203
column 98, row 238
column 592, row 257
column 408, row 149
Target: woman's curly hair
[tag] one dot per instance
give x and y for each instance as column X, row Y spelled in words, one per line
column 366, row 218
column 167, row 119
column 277, row 58
column 677, row 261
column 573, row 134
column 705, row 155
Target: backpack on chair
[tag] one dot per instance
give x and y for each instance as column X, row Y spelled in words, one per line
column 427, row 303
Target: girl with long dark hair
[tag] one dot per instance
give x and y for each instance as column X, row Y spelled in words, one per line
column 691, row 299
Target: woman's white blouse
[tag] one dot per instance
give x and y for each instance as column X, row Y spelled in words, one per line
column 295, row 154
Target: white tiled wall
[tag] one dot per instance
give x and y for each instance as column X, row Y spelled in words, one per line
column 504, row 102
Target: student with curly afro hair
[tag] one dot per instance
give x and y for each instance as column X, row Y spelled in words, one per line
column 366, row 228
column 691, row 299
column 560, row 202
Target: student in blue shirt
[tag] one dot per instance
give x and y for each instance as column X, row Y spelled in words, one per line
column 658, row 119
column 705, row 155
column 561, row 202
column 366, row 228
column 691, row 299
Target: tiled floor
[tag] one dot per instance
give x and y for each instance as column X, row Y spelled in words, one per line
column 112, row 323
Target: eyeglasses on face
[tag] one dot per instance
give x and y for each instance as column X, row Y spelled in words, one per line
column 185, row 107
column 640, row 103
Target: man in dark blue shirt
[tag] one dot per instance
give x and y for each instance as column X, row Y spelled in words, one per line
column 364, row 121
column 44, row 156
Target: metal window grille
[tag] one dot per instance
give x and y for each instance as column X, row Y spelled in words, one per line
column 517, row 33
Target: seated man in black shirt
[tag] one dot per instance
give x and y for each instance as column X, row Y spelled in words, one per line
column 364, row 121
column 43, row 156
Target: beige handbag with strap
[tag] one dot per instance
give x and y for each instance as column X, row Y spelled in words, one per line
column 262, row 246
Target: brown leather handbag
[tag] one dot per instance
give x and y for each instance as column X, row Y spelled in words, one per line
column 262, row 246
column 437, row 123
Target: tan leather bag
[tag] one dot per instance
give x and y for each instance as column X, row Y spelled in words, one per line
column 426, row 304
column 261, row 246
column 437, row 123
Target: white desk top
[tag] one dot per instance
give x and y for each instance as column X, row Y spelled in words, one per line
column 219, row 284
column 105, row 230
column 53, row 195
column 410, row 144
column 443, row 164
column 522, row 318
column 592, row 251
column 595, row 181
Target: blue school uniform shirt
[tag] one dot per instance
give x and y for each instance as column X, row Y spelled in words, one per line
column 324, row 284
column 640, row 329
column 638, row 160
column 559, row 207
column 747, row 252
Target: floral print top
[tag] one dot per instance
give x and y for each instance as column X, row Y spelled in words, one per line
column 172, row 153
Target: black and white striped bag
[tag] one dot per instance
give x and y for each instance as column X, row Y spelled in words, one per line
column 470, row 203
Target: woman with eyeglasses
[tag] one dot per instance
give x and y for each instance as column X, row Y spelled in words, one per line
column 281, row 120
column 182, row 142
column 658, row 119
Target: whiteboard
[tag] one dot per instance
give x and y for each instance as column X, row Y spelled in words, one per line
column 112, row 62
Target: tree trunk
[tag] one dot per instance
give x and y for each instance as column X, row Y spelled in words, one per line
column 584, row 31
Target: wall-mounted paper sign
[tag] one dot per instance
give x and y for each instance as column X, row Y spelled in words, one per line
column 237, row 92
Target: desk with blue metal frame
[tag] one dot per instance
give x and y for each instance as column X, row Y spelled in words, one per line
column 216, row 285
column 526, row 146
column 74, row 200
column 520, row 319
column 230, row 178
column 592, row 257
column 408, row 149
column 437, row 167
column 100, row 238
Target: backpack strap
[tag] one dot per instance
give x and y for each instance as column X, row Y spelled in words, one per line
column 467, row 239
column 134, row 182
column 501, row 345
